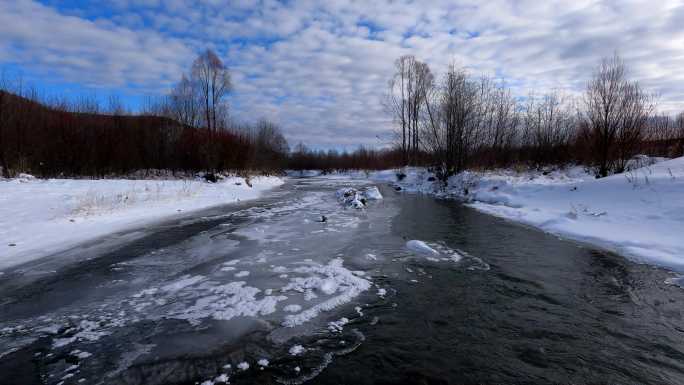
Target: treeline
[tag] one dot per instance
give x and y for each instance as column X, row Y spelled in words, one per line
column 188, row 130
column 458, row 121
column 451, row 122
column 302, row 158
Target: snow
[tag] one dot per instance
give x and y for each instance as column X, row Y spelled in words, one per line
column 243, row 366
column 351, row 197
column 638, row 214
column 41, row 217
column 262, row 362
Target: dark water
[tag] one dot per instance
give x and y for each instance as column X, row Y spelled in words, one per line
column 548, row 311
column 520, row 307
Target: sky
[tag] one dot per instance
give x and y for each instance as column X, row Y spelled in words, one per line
column 320, row 68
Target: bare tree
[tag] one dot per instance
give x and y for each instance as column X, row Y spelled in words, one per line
column 115, row 106
column 185, row 102
column 270, row 145
column 503, row 126
column 679, row 124
column 4, row 118
column 455, row 119
column 549, row 126
column 214, row 82
column 616, row 111
column 396, row 99
column 406, row 98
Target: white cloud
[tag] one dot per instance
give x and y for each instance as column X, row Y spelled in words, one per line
column 320, row 69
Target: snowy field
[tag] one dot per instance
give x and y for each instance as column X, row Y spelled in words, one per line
column 40, row 217
column 638, row 214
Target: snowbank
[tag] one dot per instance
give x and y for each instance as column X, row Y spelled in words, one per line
column 638, row 214
column 40, row 217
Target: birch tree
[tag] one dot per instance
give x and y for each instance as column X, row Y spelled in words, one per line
column 214, row 81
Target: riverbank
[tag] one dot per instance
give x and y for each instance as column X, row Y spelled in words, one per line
column 638, row 214
column 41, row 217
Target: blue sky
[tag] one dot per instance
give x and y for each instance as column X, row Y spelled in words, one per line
column 320, row 68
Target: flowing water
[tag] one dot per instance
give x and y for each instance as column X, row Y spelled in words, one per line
column 340, row 301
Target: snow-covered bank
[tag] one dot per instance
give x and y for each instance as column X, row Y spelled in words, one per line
column 39, row 217
column 638, row 214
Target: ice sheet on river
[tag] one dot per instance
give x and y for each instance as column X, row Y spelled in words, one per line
column 270, row 267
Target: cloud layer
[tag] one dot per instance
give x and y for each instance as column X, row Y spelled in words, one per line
column 320, row 69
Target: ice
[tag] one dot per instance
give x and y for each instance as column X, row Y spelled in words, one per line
column 337, row 326
column 329, row 279
column 182, row 283
column 80, row 354
column 372, row 193
column 220, row 379
column 241, row 274
column 86, row 330
column 292, row 308
column 297, row 350
column 420, row 247
column 227, row 301
column 51, row 329
column 262, row 362
column 243, row 366
column 328, row 286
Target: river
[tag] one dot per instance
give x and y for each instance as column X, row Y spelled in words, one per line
column 269, row 284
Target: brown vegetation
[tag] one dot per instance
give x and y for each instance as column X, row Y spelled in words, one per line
column 187, row 131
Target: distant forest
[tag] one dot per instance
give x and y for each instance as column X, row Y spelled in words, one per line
column 450, row 123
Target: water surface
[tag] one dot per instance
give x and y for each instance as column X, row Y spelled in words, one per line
column 501, row 303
